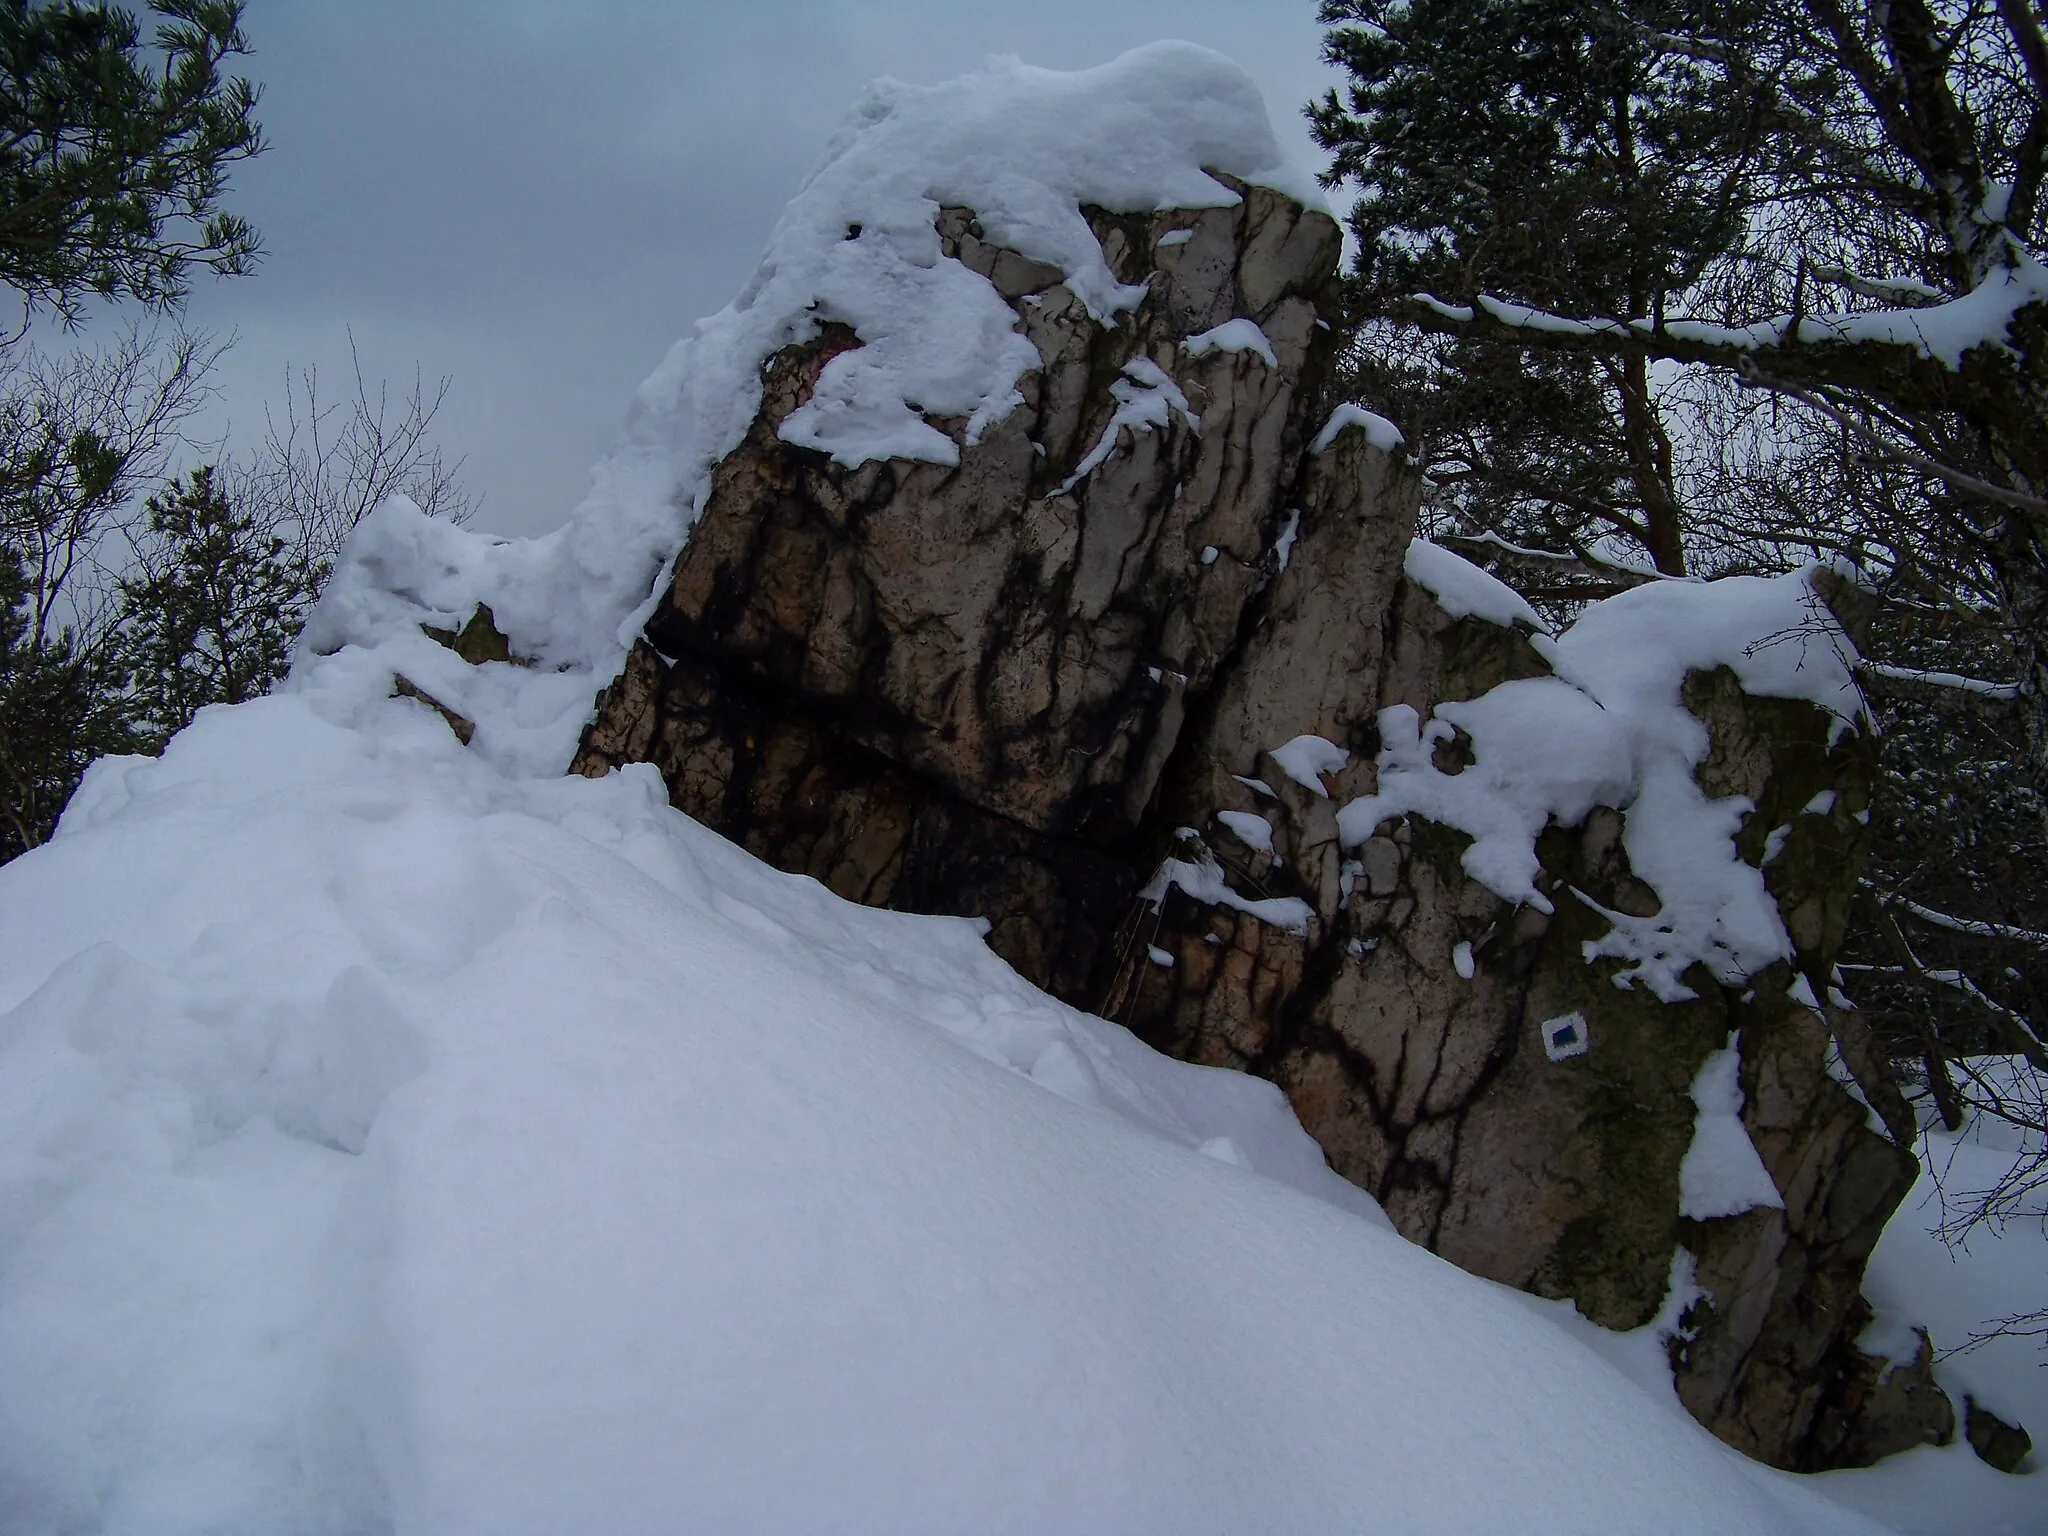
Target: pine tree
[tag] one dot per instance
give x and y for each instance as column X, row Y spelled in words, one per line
column 1544, row 155
column 60, row 707
column 114, row 154
column 214, row 614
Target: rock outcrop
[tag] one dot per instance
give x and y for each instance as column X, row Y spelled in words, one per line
column 956, row 689
column 1023, row 685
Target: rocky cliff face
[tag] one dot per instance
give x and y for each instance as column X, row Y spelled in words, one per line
column 1046, row 685
column 956, row 689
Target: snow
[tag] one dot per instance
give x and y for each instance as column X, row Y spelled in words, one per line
column 1722, row 1174
column 1462, row 961
column 1254, row 831
column 1201, row 876
column 1463, row 590
column 1523, row 317
column 1379, row 431
column 1238, row 335
column 1224, row 1150
column 1970, row 925
column 1773, row 632
column 1907, row 288
column 1146, row 398
column 1944, row 332
column 1839, row 1069
column 1917, row 1280
column 1283, row 546
column 1957, row 681
column 1610, row 729
column 391, row 1144
column 1542, row 751
column 1306, row 758
column 1642, row 1354
column 1025, row 148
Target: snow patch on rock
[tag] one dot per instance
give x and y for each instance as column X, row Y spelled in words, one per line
column 1146, row 398
column 1306, row 758
column 1379, row 431
column 1199, row 874
column 1722, row 1175
column 1251, row 829
column 1238, row 335
column 1463, row 590
column 1610, row 728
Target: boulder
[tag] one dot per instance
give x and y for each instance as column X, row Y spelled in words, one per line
column 1110, row 680
column 1996, row 1442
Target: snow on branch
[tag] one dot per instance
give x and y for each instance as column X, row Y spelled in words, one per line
column 1491, row 546
column 1900, row 291
column 2016, row 1029
column 1523, row 317
column 1936, row 337
column 1966, row 925
column 1939, row 690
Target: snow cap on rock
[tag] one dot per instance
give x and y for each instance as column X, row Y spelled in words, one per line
column 1024, row 148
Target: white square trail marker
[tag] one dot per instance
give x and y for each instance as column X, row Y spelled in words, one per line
column 1566, row 1037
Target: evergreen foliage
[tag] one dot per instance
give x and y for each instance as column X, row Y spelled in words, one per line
column 114, row 156
column 1540, row 151
column 60, row 707
column 1549, row 156
column 212, row 617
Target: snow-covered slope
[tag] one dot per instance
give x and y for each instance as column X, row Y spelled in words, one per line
column 389, row 1144
column 1995, row 1272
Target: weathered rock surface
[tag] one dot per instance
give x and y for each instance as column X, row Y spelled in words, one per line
column 955, row 689
column 1998, row 1443
column 1004, row 688
column 1434, row 1090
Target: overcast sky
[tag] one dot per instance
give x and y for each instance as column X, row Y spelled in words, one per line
column 536, row 197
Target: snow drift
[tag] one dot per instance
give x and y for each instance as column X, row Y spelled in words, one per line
column 388, row 1144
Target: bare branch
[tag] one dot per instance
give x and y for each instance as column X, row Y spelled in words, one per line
column 2011, row 1026
column 325, row 465
column 1753, row 376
